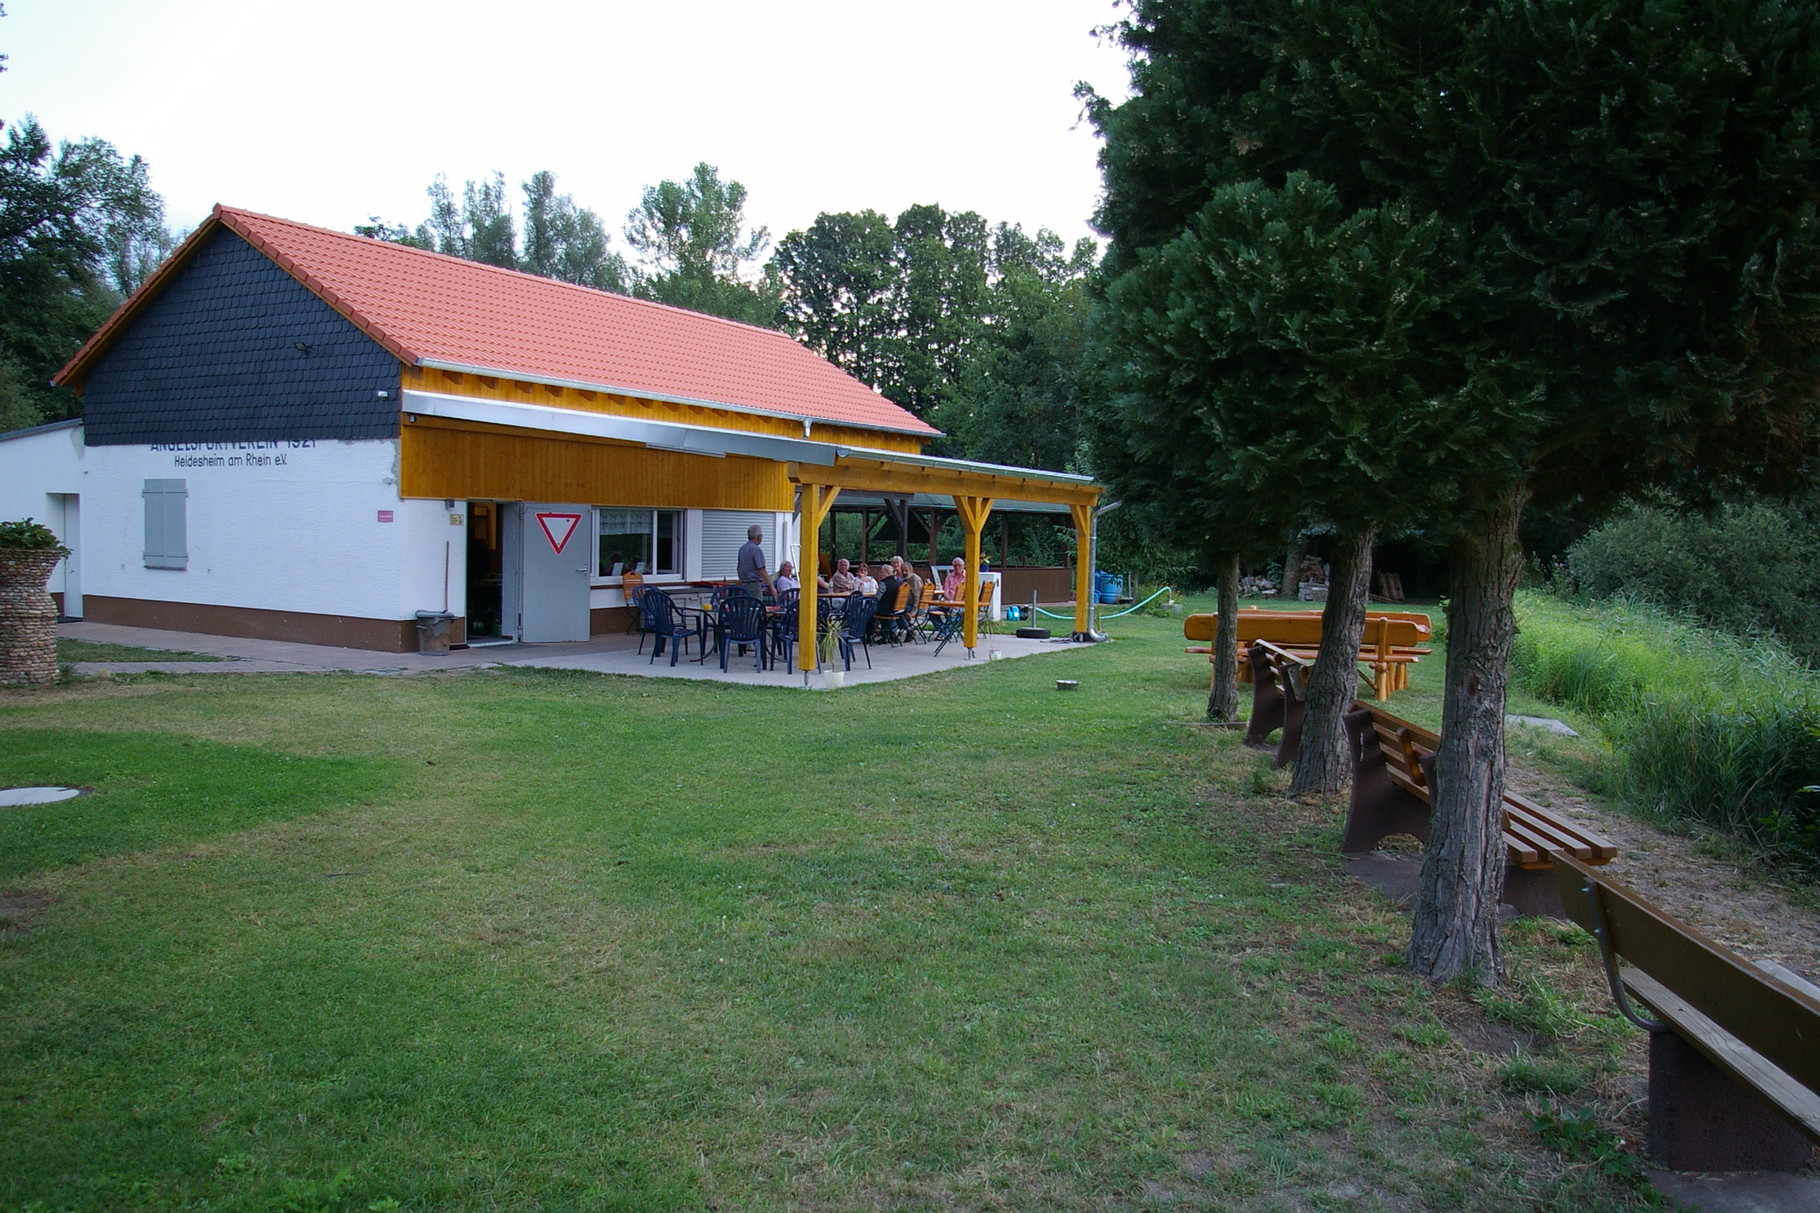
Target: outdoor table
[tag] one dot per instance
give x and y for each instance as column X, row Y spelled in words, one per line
column 711, row 619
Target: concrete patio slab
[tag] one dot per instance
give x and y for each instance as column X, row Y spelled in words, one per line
column 602, row 654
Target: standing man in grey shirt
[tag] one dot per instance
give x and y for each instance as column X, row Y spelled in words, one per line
column 753, row 578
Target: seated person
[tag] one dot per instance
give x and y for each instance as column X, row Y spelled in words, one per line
column 842, row 581
column 887, row 586
column 955, row 583
column 786, row 578
column 868, row 584
column 900, row 568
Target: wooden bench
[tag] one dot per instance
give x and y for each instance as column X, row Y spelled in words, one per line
column 1279, row 678
column 1734, row 1048
column 1392, row 774
column 1391, row 642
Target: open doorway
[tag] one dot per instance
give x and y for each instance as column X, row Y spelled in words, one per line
column 486, row 575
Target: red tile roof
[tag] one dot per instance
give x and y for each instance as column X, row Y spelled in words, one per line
column 427, row 308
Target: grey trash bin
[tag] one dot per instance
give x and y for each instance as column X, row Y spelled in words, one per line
column 433, row 631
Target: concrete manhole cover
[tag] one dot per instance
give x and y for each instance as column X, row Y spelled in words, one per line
column 16, row 796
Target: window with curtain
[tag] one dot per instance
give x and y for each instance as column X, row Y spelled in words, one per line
column 638, row 541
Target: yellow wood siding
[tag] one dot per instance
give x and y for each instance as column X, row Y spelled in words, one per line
column 459, row 461
column 486, row 387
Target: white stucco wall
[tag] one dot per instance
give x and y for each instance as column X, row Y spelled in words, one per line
column 271, row 526
column 315, row 527
column 36, row 468
column 40, row 475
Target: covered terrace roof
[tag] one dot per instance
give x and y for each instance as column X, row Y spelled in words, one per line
column 935, row 481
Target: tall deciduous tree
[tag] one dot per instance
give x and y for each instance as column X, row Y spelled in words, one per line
column 978, row 330
column 840, row 292
column 567, row 242
column 695, row 252
column 1021, row 382
column 561, row 240
column 1625, row 267
column 80, row 228
column 477, row 227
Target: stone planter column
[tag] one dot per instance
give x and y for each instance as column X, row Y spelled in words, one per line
column 28, row 617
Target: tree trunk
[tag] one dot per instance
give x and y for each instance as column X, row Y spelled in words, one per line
column 1456, row 918
column 1292, row 567
column 1223, row 696
column 1322, row 764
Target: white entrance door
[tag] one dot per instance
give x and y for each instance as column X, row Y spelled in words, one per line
column 71, row 534
column 555, row 545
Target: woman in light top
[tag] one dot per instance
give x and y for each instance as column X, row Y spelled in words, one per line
column 786, row 578
column 868, row 584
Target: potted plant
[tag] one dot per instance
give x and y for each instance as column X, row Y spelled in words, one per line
column 28, row 616
column 828, row 652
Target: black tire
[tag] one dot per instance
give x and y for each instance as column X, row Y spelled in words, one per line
column 1033, row 633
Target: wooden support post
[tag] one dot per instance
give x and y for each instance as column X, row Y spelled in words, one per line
column 1083, row 563
column 973, row 512
column 818, row 499
column 899, row 508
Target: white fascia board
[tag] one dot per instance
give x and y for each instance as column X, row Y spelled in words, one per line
column 492, row 372
column 942, row 501
column 963, row 465
column 663, row 435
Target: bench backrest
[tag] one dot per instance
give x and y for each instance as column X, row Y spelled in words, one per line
column 1288, row 669
column 1283, row 627
column 1304, row 628
column 1404, row 743
column 1533, row 836
column 1777, row 1020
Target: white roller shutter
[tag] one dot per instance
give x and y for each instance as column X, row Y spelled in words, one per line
column 722, row 533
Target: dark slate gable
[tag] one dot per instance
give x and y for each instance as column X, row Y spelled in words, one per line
column 213, row 358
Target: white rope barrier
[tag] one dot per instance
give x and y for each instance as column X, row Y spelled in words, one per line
column 1116, row 614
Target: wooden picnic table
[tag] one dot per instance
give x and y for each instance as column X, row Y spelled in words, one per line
column 1391, row 643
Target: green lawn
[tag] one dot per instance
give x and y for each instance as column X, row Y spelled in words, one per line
column 71, row 649
column 515, row 941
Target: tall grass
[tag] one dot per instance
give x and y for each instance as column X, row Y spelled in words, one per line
column 1704, row 726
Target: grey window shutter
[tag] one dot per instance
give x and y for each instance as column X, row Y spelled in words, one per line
column 166, row 524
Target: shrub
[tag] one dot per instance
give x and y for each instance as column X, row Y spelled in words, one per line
column 1747, row 568
column 28, row 535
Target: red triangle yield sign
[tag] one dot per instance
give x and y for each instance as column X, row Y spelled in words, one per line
column 557, row 528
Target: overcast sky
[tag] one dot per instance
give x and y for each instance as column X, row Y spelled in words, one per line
column 328, row 111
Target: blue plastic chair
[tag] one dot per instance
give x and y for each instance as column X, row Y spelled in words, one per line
column 743, row 621
column 665, row 621
column 783, row 627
